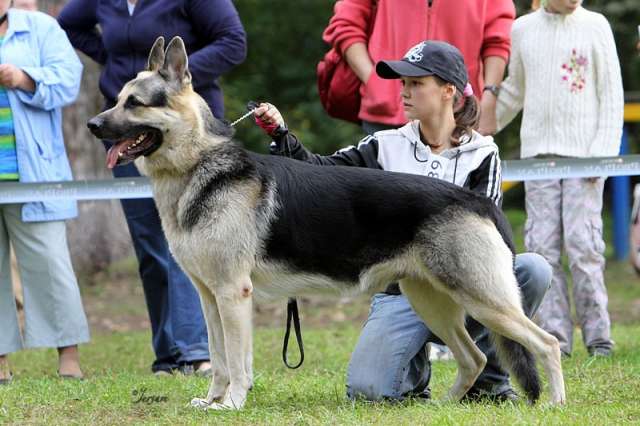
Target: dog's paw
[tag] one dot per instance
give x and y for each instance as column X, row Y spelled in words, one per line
column 221, row 406
column 200, row 403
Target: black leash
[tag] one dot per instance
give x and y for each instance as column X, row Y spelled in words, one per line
column 292, row 307
column 292, row 313
column 292, row 303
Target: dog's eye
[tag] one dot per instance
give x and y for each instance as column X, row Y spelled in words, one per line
column 133, row 102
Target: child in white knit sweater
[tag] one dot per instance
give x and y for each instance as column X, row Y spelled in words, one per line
column 564, row 74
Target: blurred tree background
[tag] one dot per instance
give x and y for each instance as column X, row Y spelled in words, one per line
column 285, row 44
column 284, row 47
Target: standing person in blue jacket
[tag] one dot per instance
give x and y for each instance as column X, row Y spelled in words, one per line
column 39, row 74
column 216, row 42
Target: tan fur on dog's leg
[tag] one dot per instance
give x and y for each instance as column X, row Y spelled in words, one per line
column 220, row 374
column 234, row 301
column 445, row 318
column 513, row 324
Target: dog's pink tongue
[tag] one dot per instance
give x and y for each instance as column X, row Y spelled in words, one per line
column 112, row 155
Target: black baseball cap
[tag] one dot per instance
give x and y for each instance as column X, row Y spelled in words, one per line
column 429, row 57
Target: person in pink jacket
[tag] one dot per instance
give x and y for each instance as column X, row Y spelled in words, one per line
column 480, row 29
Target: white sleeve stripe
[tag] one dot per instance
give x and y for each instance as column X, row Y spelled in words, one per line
column 366, row 140
column 497, row 189
column 491, row 183
column 345, row 149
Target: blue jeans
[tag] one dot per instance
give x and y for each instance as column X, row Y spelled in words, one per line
column 390, row 360
column 178, row 329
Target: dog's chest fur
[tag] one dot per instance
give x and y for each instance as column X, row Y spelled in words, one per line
column 221, row 238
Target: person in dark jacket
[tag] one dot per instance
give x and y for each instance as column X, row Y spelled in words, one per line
column 216, row 42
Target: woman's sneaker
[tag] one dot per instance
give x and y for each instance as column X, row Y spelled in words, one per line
column 596, row 351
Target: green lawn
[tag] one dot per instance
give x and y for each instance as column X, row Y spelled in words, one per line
column 599, row 391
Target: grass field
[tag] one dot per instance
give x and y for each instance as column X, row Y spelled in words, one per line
column 120, row 390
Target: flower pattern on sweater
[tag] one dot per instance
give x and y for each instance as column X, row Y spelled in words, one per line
column 574, row 71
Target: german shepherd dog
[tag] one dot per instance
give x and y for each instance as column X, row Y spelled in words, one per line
column 237, row 221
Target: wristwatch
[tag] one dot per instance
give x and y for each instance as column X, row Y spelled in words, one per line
column 495, row 90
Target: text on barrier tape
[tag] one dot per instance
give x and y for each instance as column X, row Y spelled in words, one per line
column 140, row 187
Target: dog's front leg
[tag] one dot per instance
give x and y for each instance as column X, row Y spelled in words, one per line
column 234, row 301
column 220, row 377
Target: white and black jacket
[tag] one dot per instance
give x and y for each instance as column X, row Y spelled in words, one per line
column 474, row 164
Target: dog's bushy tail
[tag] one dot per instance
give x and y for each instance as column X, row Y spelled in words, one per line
column 521, row 364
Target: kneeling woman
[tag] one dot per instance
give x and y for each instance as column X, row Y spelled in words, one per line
column 390, row 359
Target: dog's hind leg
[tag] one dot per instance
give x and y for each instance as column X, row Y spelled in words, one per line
column 478, row 272
column 445, row 318
column 487, row 288
column 512, row 324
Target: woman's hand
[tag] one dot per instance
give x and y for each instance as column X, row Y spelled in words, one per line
column 13, row 77
column 268, row 118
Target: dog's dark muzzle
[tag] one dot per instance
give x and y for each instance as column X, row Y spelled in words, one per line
column 95, row 126
column 130, row 142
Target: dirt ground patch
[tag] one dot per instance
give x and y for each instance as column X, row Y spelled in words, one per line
column 114, row 301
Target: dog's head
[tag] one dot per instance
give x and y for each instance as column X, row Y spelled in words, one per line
column 158, row 116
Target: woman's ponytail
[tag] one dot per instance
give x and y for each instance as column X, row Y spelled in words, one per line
column 467, row 116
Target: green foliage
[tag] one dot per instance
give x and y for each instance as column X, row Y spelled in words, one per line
column 285, row 45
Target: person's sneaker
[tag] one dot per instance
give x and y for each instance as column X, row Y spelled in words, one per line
column 475, row 395
column 186, row 369
column 162, row 373
column 440, row 353
column 599, row 351
column 425, row 394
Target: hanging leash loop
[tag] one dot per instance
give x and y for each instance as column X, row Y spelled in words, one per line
column 292, row 314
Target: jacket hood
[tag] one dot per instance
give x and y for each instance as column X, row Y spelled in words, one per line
column 477, row 141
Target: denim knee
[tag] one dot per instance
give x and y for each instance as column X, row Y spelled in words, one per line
column 388, row 360
column 534, row 274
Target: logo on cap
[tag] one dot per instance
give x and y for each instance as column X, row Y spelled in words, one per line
column 415, row 54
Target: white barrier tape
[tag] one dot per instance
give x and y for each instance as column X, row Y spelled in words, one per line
column 564, row 168
column 108, row 189
column 139, row 187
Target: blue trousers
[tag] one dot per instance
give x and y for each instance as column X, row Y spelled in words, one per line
column 390, row 360
column 179, row 332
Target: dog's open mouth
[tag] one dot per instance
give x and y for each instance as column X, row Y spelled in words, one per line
column 127, row 150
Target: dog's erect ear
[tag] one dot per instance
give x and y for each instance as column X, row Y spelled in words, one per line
column 176, row 64
column 156, row 56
